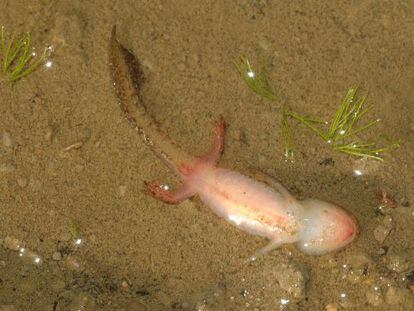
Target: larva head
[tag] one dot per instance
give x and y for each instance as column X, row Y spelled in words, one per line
column 326, row 228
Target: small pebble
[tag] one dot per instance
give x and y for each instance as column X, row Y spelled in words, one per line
column 382, row 210
column 57, row 256
column 122, row 190
column 148, row 64
column 22, row 182
column 405, row 202
column 125, row 286
column 383, row 250
column 331, row 307
column 360, row 260
column 398, row 262
column 6, row 139
column 357, row 269
column 292, row 278
column 73, row 264
column 49, row 134
column 76, row 145
column 11, row 243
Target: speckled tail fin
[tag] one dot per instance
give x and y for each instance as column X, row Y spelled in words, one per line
column 128, row 78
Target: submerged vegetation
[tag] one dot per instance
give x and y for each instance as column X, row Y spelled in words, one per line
column 18, row 57
column 74, row 229
column 256, row 81
column 340, row 133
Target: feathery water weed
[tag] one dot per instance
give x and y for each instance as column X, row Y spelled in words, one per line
column 256, row 81
column 18, row 56
column 342, row 133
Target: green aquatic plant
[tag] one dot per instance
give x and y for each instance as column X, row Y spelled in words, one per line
column 18, row 57
column 341, row 135
column 343, row 128
column 256, row 81
column 74, row 229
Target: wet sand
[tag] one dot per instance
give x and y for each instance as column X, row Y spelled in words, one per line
column 73, row 171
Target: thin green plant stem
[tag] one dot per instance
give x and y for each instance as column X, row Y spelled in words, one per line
column 340, row 112
column 343, row 125
column 351, row 133
column 256, row 81
column 18, row 56
column 308, row 123
column 32, row 68
column 24, row 58
column 363, row 150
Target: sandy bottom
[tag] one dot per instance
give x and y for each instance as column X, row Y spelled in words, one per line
column 78, row 231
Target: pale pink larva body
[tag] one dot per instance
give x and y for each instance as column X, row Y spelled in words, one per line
column 267, row 209
column 263, row 208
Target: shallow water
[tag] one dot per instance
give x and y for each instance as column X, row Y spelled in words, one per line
column 78, row 230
